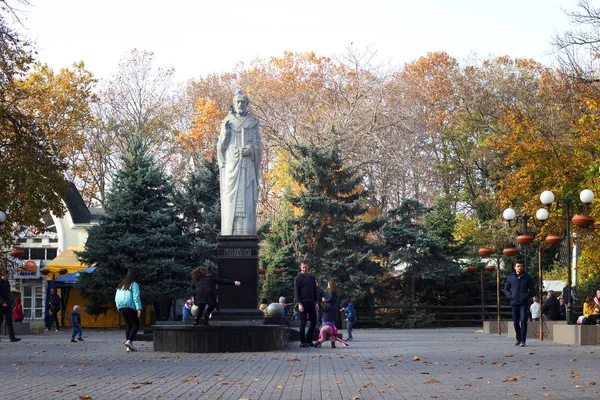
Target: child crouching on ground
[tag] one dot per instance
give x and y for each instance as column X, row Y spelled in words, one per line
column 329, row 332
column 76, row 325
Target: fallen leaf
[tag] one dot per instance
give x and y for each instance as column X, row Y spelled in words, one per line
column 141, row 383
column 86, row 397
column 72, row 384
column 510, row 379
column 281, row 387
column 424, row 373
column 416, row 358
column 591, row 383
column 513, row 394
column 546, row 395
column 576, row 376
column 431, row 381
column 392, row 365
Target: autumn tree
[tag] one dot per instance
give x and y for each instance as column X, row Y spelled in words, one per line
column 32, row 180
column 137, row 102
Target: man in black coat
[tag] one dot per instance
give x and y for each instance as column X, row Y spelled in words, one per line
column 6, row 306
column 306, row 296
column 519, row 288
column 54, row 306
column 551, row 308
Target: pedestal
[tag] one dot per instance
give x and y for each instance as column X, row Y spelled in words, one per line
column 237, row 259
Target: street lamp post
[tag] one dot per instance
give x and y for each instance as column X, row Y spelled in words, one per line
column 586, row 196
column 524, row 238
column 479, row 270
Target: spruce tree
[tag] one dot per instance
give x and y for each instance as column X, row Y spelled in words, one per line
column 331, row 230
column 199, row 204
column 139, row 230
column 277, row 257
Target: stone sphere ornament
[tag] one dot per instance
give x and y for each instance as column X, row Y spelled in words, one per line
column 274, row 310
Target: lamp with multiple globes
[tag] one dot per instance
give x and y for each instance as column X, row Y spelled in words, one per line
column 524, row 238
column 583, row 221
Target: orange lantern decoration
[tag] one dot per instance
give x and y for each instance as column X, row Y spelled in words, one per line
column 17, row 253
column 582, row 221
column 472, row 268
column 485, row 252
column 509, row 251
column 554, row 240
column 490, row 268
column 524, row 239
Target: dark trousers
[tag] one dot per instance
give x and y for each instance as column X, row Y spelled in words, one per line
column 54, row 316
column 132, row 323
column 6, row 315
column 519, row 316
column 309, row 308
column 205, row 310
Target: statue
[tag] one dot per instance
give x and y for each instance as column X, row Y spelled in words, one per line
column 239, row 154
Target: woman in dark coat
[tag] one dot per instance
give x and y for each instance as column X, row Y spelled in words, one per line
column 204, row 286
column 330, row 303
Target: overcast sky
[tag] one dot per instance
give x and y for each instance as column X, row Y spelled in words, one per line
column 197, row 37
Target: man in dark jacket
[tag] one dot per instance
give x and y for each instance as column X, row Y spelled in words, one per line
column 551, row 308
column 306, row 296
column 6, row 306
column 519, row 288
column 54, row 305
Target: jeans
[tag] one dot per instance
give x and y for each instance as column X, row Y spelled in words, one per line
column 349, row 325
column 519, row 316
column 76, row 331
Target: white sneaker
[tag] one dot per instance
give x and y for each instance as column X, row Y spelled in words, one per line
column 127, row 349
column 129, row 345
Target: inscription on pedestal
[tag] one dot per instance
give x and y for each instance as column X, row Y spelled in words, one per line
column 236, row 252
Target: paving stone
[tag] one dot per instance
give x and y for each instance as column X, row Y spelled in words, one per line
column 455, row 363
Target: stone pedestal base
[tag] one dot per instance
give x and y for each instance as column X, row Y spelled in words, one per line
column 492, row 326
column 221, row 337
column 533, row 329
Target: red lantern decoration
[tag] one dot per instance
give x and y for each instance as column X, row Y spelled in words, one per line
column 583, row 221
column 472, row 268
column 509, row 251
column 490, row 268
column 485, row 252
column 63, row 271
column 524, row 239
column 261, row 271
column 45, row 271
column 554, row 240
column 17, row 253
column 278, row 271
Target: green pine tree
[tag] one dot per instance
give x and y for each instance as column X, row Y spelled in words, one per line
column 419, row 240
column 277, row 257
column 139, row 230
column 331, row 231
column 199, row 204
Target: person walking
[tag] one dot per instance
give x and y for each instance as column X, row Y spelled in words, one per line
column 76, row 325
column 519, row 288
column 204, row 286
column 54, row 305
column 129, row 304
column 305, row 295
column 6, row 310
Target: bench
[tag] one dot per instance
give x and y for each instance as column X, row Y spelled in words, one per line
column 578, row 335
column 533, row 329
column 491, row 327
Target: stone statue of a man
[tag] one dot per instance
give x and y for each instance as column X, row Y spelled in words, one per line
column 239, row 153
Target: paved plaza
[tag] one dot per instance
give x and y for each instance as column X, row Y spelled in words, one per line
column 455, row 363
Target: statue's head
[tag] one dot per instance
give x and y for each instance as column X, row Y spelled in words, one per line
column 240, row 104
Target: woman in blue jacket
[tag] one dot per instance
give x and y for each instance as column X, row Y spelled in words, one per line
column 129, row 304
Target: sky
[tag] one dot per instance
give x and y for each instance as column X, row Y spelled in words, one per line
column 198, row 37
